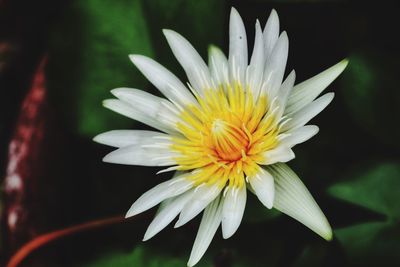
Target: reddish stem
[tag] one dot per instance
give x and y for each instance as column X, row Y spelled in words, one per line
column 44, row 239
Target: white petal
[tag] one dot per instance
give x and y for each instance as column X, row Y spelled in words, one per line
column 271, row 33
column 263, row 186
column 151, row 105
column 127, row 110
column 194, row 66
column 255, row 70
column 169, row 209
column 275, row 66
column 299, row 135
column 293, row 199
column 218, row 65
column 305, row 92
column 154, row 196
column 279, row 154
column 152, row 110
column 120, row 138
column 237, row 47
column 304, row 115
column 208, row 227
column 158, row 154
column 284, row 92
column 234, row 203
column 164, row 80
column 202, row 196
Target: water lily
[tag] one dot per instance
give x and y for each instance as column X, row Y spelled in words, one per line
column 232, row 127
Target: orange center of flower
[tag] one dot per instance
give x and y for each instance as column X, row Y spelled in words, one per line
column 230, row 142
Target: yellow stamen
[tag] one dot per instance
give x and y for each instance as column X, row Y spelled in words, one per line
column 224, row 135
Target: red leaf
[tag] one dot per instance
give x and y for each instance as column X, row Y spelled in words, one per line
column 23, row 157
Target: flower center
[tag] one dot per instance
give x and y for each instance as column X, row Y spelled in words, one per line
column 224, row 136
column 229, row 141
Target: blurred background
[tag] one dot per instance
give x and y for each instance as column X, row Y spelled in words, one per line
column 59, row 60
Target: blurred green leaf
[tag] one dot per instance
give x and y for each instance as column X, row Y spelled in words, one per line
column 371, row 244
column 376, row 188
column 312, row 255
column 89, row 51
column 143, row 256
column 140, row 256
column 89, row 57
column 360, row 237
column 201, row 22
column 369, row 81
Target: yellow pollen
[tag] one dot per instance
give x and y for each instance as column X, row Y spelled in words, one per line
column 224, row 136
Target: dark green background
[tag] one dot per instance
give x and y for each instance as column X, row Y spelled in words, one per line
column 351, row 167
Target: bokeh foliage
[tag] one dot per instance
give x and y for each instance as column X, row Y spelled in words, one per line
column 94, row 39
column 89, row 50
column 376, row 188
column 351, row 167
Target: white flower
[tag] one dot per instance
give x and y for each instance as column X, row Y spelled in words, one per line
column 231, row 128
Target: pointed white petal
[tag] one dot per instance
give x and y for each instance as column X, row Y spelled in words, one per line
column 279, row 154
column 163, row 79
column 127, row 110
column 120, row 138
column 286, row 87
column 305, row 92
column 255, row 70
column 275, row 66
column 151, row 105
column 299, row 135
column 194, row 66
column 293, row 199
column 167, row 213
column 237, row 47
column 208, row 227
column 234, row 203
column 218, row 65
column 304, row 115
column 144, row 107
column 202, row 196
column 263, row 185
column 158, row 154
column 284, row 92
column 154, row 196
column 271, row 33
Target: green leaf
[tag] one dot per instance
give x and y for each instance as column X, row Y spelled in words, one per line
column 369, row 81
column 201, row 22
column 371, row 244
column 89, row 48
column 358, row 238
column 89, row 56
column 376, row 188
column 311, row 255
column 140, row 256
column 144, row 256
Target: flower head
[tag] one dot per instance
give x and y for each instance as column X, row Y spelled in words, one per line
column 232, row 128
